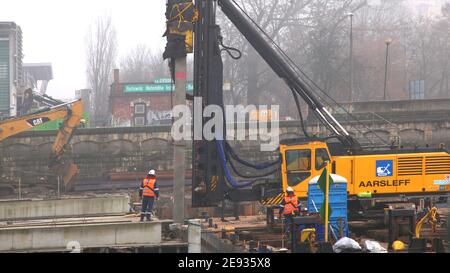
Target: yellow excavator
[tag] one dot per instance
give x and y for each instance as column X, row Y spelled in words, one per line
column 71, row 113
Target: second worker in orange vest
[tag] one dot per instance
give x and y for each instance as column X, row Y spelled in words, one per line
column 149, row 190
column 289, row 207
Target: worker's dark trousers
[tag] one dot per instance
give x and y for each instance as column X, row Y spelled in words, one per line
column 147, row 207
column 287, row 223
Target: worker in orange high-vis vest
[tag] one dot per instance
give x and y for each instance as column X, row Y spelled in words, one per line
column 149, row 191
column 289, row 207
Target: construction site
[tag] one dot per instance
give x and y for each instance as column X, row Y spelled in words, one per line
column 177, row 164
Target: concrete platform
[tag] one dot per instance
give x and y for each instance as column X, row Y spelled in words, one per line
column 82, row 233
column 66, row 207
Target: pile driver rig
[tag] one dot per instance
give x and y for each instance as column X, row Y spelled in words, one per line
column 381, row 173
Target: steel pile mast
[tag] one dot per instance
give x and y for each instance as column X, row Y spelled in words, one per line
column 208, row 182
column 209, row 185
column 286, row 72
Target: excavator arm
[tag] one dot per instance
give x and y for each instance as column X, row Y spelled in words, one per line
column 71, row 113
column 72, row 120
column 431, row 217
column 16, row 125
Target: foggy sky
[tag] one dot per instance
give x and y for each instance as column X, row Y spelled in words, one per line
column 54, row 31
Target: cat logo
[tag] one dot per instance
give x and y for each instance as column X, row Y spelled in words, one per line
column 37, row 121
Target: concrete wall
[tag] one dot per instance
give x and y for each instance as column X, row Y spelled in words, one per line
column 400, row 106
column 73, row 207
column 100, row 151
column 94, row 235
column 212, row 243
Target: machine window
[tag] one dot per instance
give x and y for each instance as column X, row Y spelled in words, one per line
column 295, row 178
column 321, row 157
column 298, row 166
column 298, row 160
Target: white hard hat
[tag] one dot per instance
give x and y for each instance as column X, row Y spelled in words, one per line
column 289, row 189
column 152, row 172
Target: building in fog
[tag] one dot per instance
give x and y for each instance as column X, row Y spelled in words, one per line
column 140, row 104
column 37, row 76
column 86, row 96
column 11, row 68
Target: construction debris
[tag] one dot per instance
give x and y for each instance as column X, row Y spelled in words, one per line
column 346, row 245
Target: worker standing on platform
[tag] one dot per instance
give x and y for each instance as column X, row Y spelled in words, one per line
column 149, row 190
column 289, row 207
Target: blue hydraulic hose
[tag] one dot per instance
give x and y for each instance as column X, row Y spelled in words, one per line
column 229, row 178
column 260, row 166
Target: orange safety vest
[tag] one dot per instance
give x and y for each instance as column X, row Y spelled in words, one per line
column 149, row 187
column 290, row 204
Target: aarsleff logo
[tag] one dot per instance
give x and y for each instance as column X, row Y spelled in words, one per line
column 385, row 183
column 384, row 168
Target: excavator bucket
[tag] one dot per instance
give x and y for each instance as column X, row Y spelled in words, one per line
column 69, row 176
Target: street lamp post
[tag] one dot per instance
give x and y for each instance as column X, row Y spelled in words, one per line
column 388, row 42
column 350, row 98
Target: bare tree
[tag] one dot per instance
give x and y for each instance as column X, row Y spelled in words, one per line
column 319, row 44
column 312, row 33
column 101, row 53
column 251, row 77
column 417, row 55
column 374, row 24
column 141, row 65
column 316, row 35
column 428, row 47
